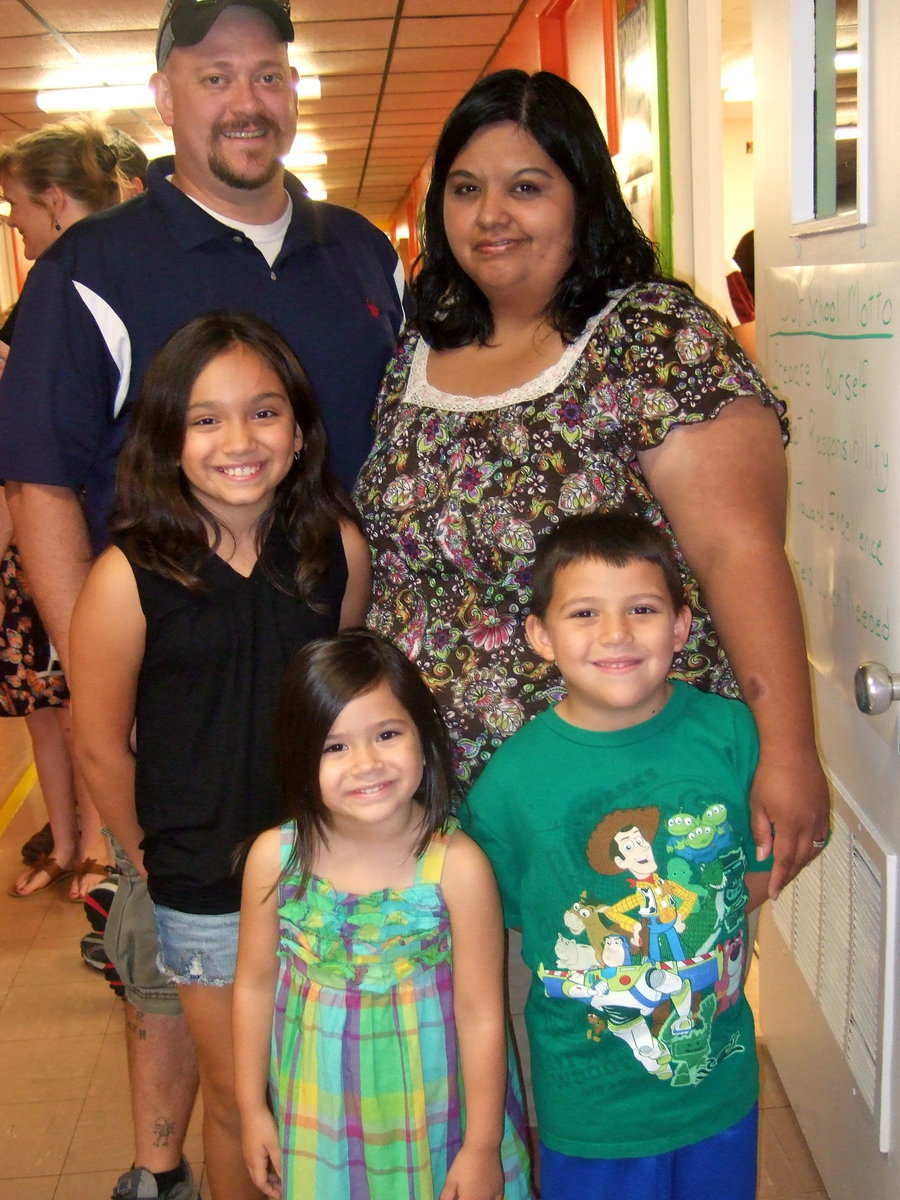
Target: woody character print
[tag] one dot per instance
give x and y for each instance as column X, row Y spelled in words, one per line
column 655, row 963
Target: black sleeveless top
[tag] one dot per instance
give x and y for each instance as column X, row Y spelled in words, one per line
column 205, row 702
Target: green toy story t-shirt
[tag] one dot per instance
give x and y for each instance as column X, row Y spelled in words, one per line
column 622, row 856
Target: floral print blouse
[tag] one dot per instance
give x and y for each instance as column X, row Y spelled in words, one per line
column 456, row 491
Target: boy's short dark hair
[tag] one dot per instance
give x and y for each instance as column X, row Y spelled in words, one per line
column 613, row 538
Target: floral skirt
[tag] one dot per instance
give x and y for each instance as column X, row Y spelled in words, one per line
column 30, row 673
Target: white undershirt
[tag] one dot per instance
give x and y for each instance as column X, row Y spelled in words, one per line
column 268, row 239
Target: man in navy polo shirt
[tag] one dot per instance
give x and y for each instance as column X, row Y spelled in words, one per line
column 220, row 227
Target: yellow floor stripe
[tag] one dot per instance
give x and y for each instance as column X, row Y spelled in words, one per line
column 15, row 798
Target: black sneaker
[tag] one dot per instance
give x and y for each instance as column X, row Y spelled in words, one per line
column 98, row 902
column 92, row 951
column 140, row 1184
column 96, row 907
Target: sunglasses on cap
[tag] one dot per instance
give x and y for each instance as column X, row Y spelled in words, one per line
column 187, row 22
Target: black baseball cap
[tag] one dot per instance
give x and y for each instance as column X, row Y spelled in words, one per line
column 187, row 22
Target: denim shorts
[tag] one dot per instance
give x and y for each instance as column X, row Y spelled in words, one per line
column 197, row 947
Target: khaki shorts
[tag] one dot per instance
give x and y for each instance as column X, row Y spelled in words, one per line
column 131, row 943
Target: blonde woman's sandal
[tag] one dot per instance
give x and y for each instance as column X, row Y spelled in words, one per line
column 83, row 870
column 47, row 864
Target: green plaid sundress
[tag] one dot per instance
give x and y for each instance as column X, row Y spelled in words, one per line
column 364, row 1071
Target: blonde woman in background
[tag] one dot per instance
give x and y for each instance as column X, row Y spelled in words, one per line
column 50, row 179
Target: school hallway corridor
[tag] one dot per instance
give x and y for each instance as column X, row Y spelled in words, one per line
column 65, row 1130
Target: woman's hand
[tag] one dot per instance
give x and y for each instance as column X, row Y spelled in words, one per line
column 789, row 812
column 262, row 1152
column 474, row 1175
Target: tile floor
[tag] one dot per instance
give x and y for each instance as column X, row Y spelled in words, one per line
column 64, row 1124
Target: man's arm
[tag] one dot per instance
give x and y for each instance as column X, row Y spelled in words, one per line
column 52, row 537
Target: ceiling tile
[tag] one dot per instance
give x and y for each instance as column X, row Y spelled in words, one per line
column 316, row 36
column 16, row 21
column 454, row 32
column 39, row 51
column 303, row 11
column 405, row 82
column 346, row 62
column 441, row 8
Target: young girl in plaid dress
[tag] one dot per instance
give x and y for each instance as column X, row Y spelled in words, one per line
column 369, row 987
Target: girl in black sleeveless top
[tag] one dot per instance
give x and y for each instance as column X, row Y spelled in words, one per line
column 232, row 547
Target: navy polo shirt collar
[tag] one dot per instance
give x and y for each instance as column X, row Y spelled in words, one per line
column 190, row 226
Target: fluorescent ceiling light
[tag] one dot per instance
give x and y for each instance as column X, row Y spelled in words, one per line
column 846, row 133
column 309, row 87
column 96, row 99
column 131, row 95
column 315, row 190
column 304, row 158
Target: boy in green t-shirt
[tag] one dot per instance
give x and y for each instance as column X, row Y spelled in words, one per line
column 618, row 826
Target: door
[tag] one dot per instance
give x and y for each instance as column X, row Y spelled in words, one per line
column 828, row 307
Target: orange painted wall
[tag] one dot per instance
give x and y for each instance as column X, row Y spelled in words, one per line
column 522, row 45
column 548, row 35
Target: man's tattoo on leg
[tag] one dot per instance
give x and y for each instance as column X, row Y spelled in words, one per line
column 162, row 1131
column 136, row 1028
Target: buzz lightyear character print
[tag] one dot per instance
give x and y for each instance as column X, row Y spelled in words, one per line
column 655, row 963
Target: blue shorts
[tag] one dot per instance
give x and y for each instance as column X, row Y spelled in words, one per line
column 721, row 1165
column 197, row 947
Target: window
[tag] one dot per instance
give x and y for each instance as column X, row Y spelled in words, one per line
column 836, row 108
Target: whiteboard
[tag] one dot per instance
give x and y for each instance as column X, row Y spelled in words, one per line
column 833, row 352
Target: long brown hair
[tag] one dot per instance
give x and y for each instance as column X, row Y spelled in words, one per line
column 160, row 523
column 611, row 250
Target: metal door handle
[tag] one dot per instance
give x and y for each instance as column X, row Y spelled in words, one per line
column 875, row 688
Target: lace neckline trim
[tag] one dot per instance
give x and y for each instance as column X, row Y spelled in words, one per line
column 420, row 392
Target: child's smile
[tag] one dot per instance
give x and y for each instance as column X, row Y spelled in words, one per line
column 240, row 437
column 372, row 761
column 613, row 632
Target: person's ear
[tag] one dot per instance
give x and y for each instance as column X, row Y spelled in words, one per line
column 162, row 93
column 537, row 637
column 683, row 619
column 54, row 199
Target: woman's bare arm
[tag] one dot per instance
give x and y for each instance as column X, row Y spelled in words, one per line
column 722, row 484
column 107, row 648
